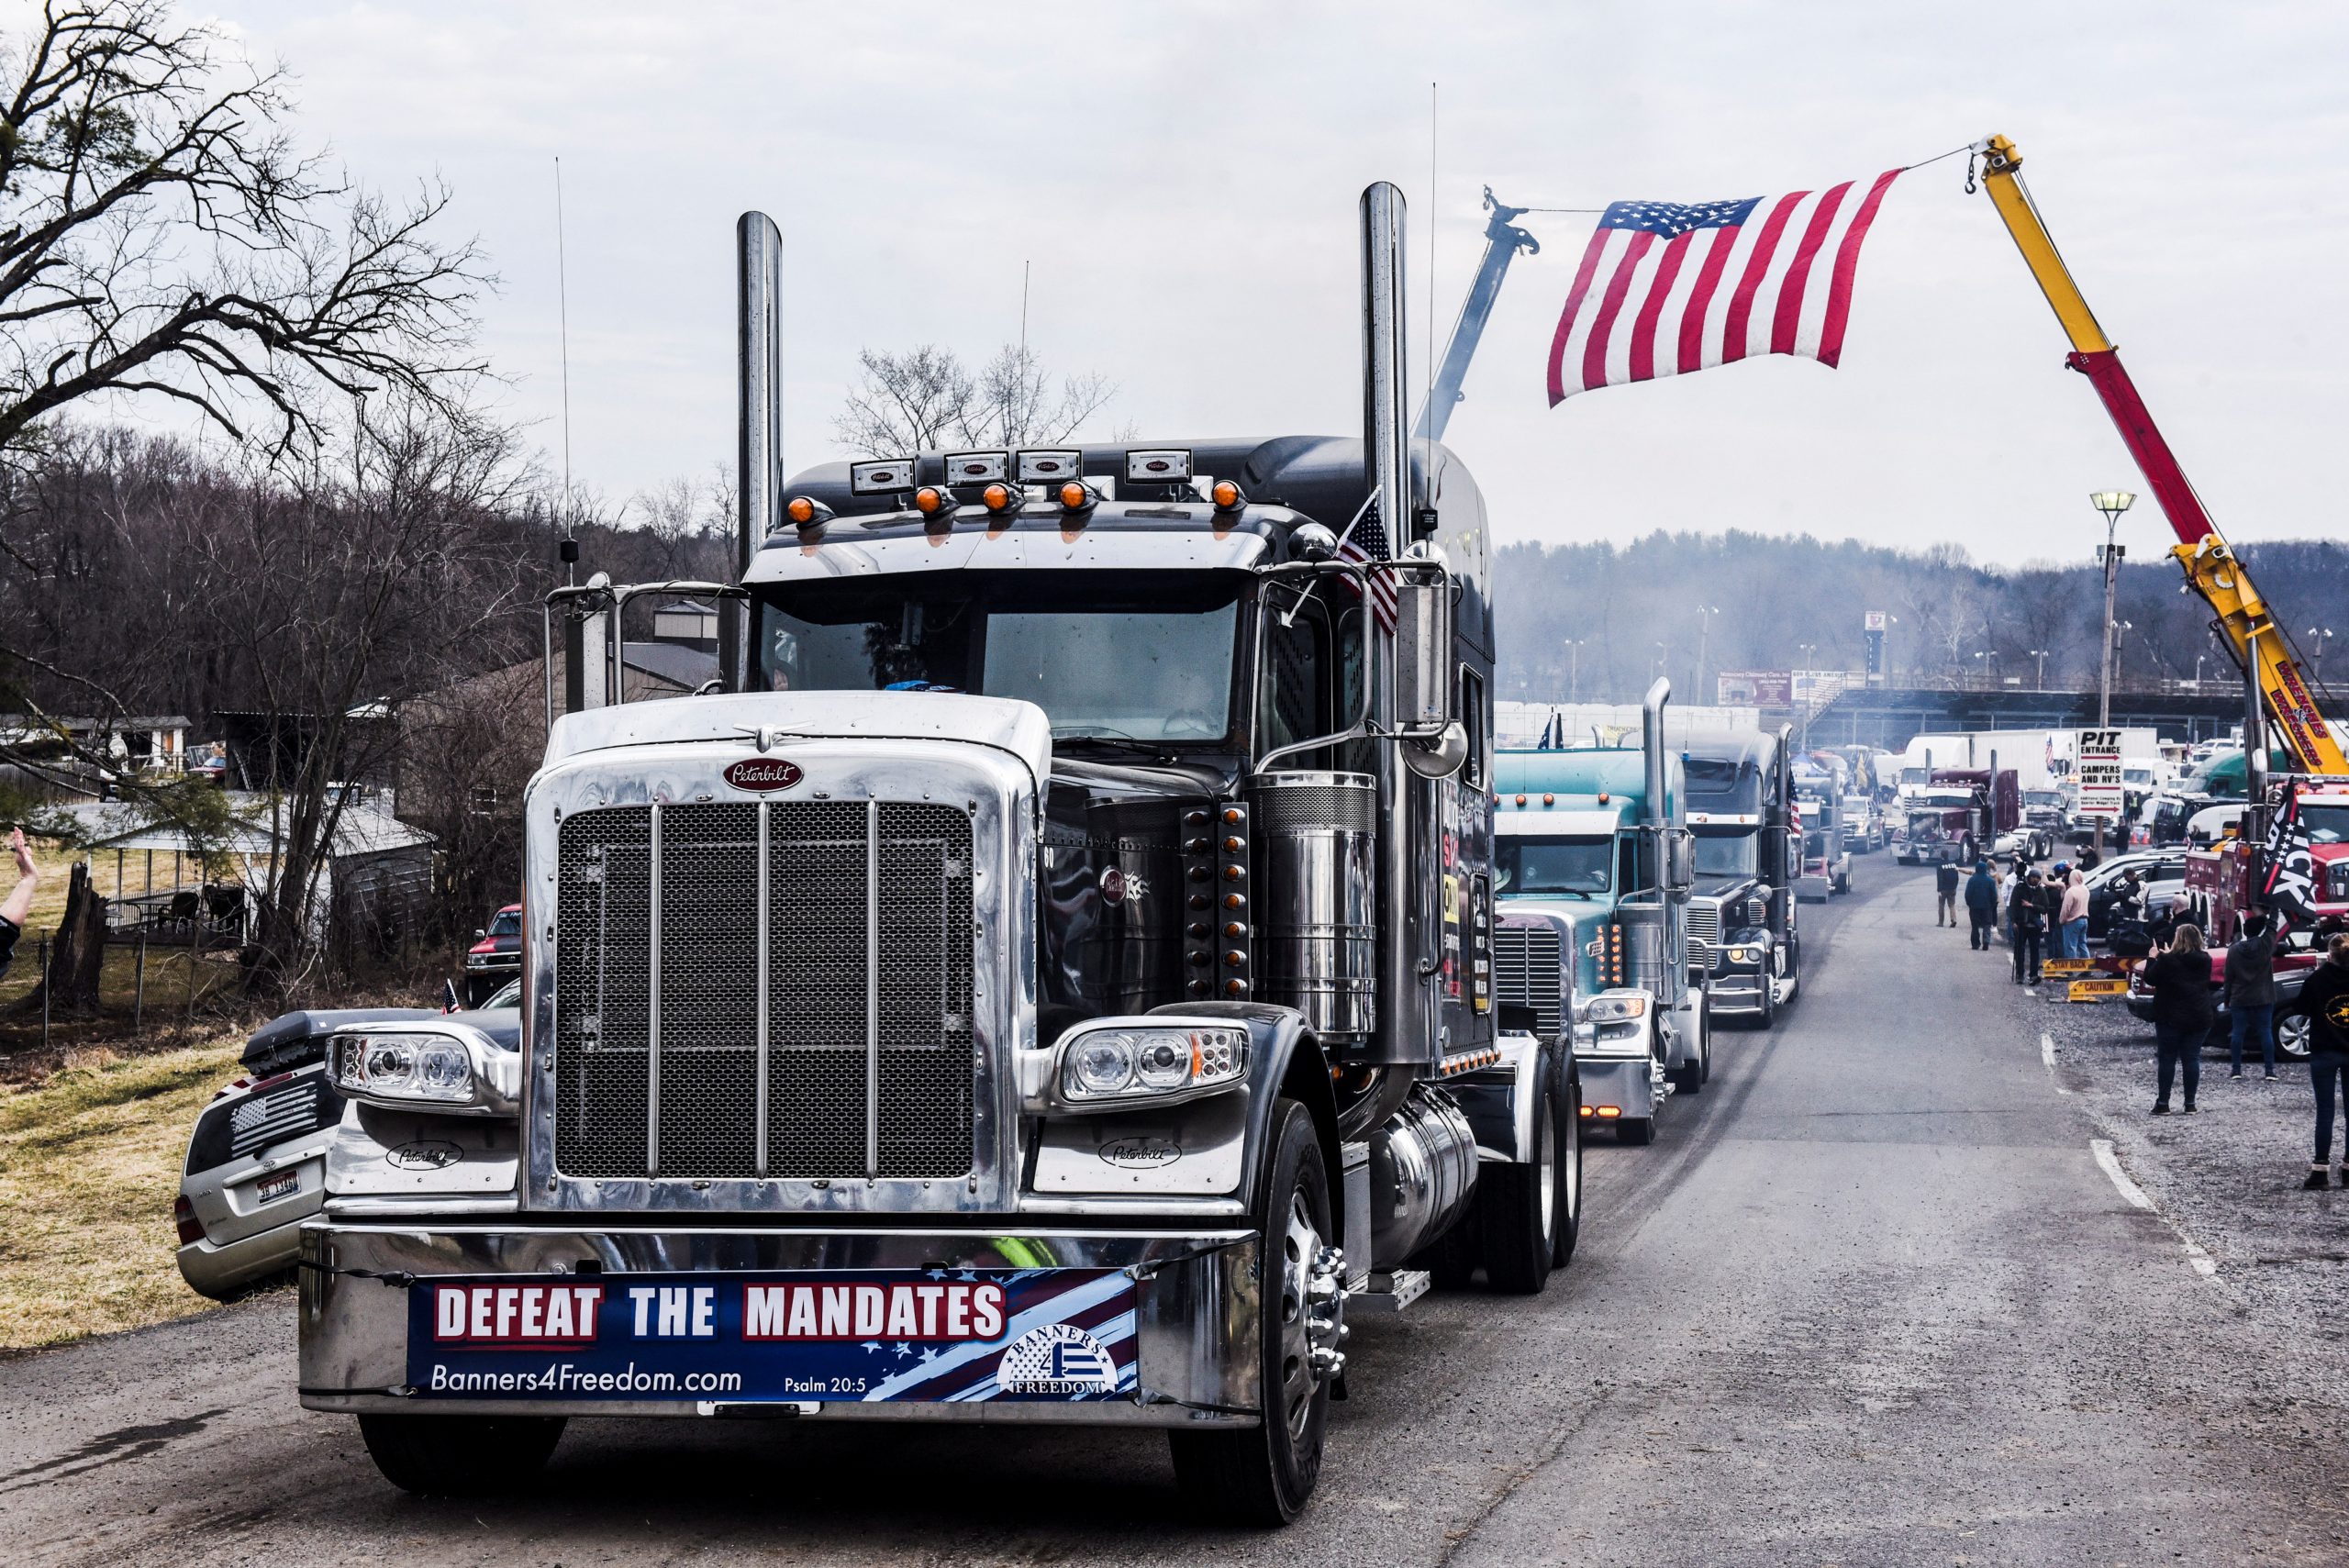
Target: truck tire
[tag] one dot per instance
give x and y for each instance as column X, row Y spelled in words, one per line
column 1518, row 1206
column 1689, row 1077
column 459, row 1456
column 1569, row 1231
column 1264, row 1475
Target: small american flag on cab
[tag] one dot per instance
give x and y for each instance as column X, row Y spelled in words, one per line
column 1666, row 288
column 1364, row 545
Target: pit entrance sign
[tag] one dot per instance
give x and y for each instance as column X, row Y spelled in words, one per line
column 2096, row 768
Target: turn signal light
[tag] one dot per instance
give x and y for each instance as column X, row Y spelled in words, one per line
column 1610, row 1111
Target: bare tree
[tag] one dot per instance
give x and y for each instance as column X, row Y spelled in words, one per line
column 161, row 234
column 925, row 398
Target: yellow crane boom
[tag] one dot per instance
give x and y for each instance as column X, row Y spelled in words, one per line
column 2210, row 567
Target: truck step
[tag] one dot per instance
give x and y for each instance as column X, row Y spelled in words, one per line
column 1390, row 1292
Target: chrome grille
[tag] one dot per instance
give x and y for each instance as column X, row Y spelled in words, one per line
column 1527, row 974
column 1704, row 928
column 852, row 921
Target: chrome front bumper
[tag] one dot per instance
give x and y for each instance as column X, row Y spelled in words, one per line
column 1197, row 1308
column 1737, row 993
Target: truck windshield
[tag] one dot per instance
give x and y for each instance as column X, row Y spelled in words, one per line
column 1727, row 854
column 1107, row 655
column 2326, row 824
column 2041, row 797
column 1550, row 865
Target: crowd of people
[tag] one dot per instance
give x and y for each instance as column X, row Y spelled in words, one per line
column 2043, row 916
column 2040, row 914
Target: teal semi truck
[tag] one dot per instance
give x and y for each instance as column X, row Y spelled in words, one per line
column 1592, row 864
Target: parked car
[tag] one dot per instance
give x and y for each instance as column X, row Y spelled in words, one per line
column 2161, row 874
column 256, row 1160
column 495, row 956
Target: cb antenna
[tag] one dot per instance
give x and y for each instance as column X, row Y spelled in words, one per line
column 562, row 332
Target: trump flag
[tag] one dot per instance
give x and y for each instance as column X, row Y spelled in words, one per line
column 1666, row 288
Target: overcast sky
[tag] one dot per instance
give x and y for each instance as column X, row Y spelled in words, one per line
column 1183, row 178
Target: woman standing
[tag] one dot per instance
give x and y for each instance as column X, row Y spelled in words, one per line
column 2324, row 998
column 2074, row 915
column 2179, row 978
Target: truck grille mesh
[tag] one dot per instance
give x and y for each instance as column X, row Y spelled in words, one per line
column 1704, row 928
column 1527, row 974
column 828, row 1114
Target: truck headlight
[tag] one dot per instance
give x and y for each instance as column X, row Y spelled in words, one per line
column 1616, row 1008
column 1614, row 1023
column 430, row 1069
column 1746, row 953
column 1113, row 1063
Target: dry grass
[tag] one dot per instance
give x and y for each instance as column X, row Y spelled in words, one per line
column 89, row 1164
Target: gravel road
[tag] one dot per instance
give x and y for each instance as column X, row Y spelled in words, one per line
column 1871, row 1300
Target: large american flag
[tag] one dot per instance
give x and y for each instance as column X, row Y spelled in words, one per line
column 1364, row 544
column 1666, row 288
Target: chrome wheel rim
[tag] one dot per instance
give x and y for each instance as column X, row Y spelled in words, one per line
column 2292, row 1038
column 1549, row 1157
column 1299, row 1246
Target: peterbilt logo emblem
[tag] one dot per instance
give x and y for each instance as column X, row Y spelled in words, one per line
column 425, row 1155
column 1142, row 1154
column 1113, row 885
column 761, row 775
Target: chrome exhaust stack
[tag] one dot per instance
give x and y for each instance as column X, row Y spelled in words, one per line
column 758, row 453
column 1403, row 1031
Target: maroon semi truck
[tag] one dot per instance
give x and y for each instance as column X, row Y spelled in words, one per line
column 1961, row 815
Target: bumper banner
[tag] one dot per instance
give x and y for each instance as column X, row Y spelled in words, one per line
column 814, row 1336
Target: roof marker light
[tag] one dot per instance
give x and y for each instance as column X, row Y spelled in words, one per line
column 807, row 512
column 1003, row 500
column 1227, row 496
column 1521, row 800
column 934, row 502
column 1549, row 800
column 1078, row 496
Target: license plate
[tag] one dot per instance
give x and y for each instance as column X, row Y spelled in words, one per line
column 864, row 1336
column 269, row 1189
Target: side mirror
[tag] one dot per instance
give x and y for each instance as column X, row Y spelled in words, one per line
column 1422, row 649
column 1679, row 859
column 479, row 933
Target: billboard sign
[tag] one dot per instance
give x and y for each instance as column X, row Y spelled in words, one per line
column 2096, row 767
column 1755, row 688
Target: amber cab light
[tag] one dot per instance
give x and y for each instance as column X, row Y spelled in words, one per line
column 931, row 501
column 1226, row 495
column 1000, row 498
column 1077, row 496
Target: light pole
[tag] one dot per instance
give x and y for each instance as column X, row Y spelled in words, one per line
column 1705, row 614
column 2321, row 635
column 1809, row 651
column 2111, row 503
column 1655, row 665
column 2120, row 629
column 1573, row 667
column 1989, row 657
column 2039, row 654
